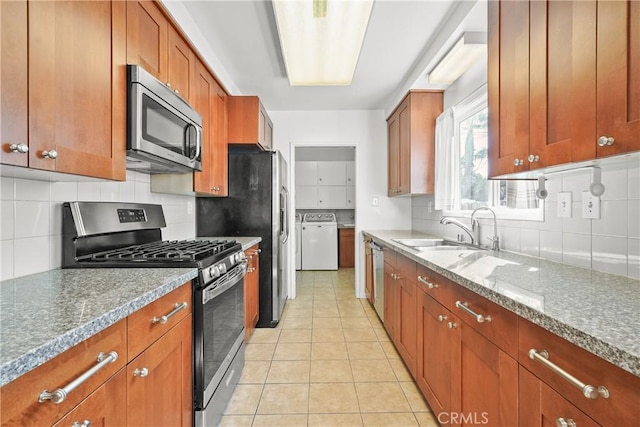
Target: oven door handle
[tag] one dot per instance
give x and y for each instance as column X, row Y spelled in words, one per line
column 228, row 281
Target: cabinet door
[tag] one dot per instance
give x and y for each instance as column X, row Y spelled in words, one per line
column 351, row 173
column 390, row 300
column 104, row 407
column 306, row 173
column 77, row 87
column 433, row 356
column 159, row 381
column 306, row 197
column 393, row 127
column 203, row 99
column 251, row 294
column 542, row 406
column 347, row 252
column 404, row 148
column 618, row 86
column 368, row 272
column 147, row 37
column 13, row 79
column 332, row 173
column 562, row 82
column 406, row 329
column 181, row 65
column 220, row 148
column 508, row 86
column 484, row 379
column 332, row 197
column 268, row 134
column 351, row 197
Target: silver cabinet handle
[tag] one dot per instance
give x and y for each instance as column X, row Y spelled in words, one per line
column 561, row 422
column 85, row 423
column 426, row 282
column 52, row 154
column 533, row 158
column 442, row 318
column 518, row 162
column 59, row 395
column 603, row 141
column 589, row 391
column 19, row 148
column 164, row 319
column 452, row 325
column 479, row 317
column 141, row 372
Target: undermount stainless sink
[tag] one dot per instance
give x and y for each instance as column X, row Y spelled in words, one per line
column 435, row 245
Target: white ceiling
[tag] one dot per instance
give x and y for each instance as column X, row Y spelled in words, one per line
column 403, row 38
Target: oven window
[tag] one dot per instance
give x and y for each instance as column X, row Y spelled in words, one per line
column 162, row 127
column 223, row 324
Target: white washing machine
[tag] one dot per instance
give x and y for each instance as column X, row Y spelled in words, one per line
column 298, row 241
column 319, row 241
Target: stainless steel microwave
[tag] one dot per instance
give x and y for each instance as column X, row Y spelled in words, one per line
column 164, row 133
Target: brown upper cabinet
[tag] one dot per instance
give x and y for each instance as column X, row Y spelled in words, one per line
column 155, row 45
column 210, row 102
column 411, row 138
column 74, row 110
column 249, row 122
column 563, row 82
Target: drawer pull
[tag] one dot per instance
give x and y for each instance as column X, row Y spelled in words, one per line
column 85, row 423
column 164, row 319
column 59, row 395
column 442, row 318
column 561, row 422
column 426, row 282
column 589, row 391
column 479, row 317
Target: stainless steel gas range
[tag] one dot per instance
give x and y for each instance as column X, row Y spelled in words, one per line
column 112, row 235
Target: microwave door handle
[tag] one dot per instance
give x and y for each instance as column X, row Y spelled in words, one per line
column 198, row 143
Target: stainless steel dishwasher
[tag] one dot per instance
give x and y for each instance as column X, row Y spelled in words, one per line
column 378, row 278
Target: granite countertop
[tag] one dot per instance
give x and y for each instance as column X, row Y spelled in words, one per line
column 44, row 314
column 597, row 311
column 246, row 242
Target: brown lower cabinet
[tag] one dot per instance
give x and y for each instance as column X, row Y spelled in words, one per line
column 482, row 373
column 251, row 291
column 346, row 248
column 154, row 388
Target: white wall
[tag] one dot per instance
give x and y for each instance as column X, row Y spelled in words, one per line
column 610, row 244
column 367, row 131
column 31, row 217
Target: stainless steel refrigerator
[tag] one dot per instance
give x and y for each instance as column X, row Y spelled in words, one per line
column 257, row 205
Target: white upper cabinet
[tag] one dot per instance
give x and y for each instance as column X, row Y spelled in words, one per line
column 332, row 173
column 306, row 173
column 351, row 173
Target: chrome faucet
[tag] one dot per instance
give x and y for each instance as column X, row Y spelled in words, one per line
column 495, row 240
column 470, row 231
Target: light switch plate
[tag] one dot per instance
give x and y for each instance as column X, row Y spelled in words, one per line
column 375, row 201
column 564, row 204
column 590, row 205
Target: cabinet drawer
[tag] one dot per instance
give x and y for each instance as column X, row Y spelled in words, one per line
column 434, row 285
column 20, row 404
column 147, row 324
column 498, row 324
column 622, row 407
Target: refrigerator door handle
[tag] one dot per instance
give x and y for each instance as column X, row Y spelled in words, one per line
column 284, row 216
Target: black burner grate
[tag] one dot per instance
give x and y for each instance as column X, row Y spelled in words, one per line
column 172, row 251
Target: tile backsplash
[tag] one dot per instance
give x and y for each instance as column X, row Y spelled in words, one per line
column 610, row 244
column 31, row 217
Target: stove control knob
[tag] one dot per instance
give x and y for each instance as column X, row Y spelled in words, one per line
column 222, row 269
column 214, row 272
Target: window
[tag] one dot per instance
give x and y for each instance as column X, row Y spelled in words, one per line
column 513, row 199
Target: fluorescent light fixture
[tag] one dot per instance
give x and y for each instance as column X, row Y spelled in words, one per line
column 321, row 39
column 464, row 53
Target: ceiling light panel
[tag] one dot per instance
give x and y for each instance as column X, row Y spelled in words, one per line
column 465, row 52
column 321, row 51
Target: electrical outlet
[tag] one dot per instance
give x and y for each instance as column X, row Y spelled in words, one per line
column 375, row 201
column 189, row 208
column 590, row 205
column 564, row 204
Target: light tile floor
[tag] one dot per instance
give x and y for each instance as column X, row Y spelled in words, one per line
column 328, row 363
